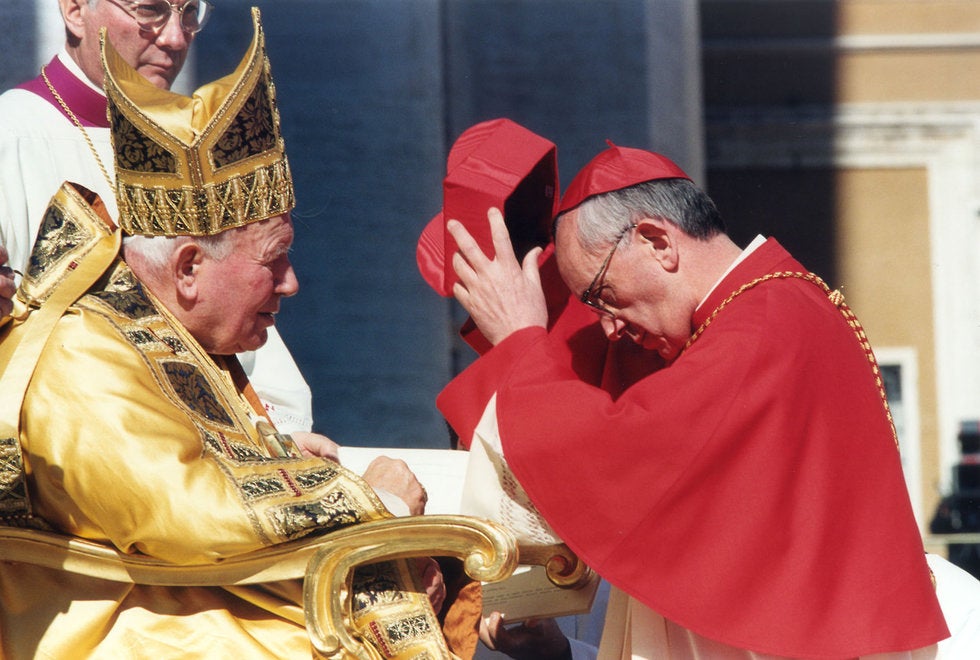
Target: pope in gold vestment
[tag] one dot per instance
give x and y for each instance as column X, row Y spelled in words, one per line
column 132, row 435
column 122, row 429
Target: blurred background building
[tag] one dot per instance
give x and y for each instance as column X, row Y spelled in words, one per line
column 847, row 129
column 851, row 131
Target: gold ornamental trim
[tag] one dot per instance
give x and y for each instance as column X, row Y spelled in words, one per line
column 197, row 165
column 836, row 298
column 162, row 211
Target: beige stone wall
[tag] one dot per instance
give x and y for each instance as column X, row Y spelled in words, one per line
column 930, row 75
column 903, row 16
column 851, row 51
column 798, row 89
column 884, row 258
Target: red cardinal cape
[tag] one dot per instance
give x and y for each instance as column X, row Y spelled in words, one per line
column 751, row 491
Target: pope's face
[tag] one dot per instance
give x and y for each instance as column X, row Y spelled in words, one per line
column 158, row 56
column 634, row 290
column 238, row 296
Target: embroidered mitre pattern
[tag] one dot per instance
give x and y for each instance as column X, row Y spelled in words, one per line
column 201, row 164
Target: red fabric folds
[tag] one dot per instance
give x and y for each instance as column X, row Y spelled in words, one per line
column 751, row 491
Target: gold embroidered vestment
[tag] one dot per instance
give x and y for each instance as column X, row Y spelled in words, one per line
column 133, row 436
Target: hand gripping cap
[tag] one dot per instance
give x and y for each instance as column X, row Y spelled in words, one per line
column 494, row 163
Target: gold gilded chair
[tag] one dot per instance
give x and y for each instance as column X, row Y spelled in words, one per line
column 489, row 553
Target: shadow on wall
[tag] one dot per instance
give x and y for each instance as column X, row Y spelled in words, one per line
column 753, row 73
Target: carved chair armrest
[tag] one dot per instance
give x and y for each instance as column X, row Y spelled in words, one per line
column 488, row 550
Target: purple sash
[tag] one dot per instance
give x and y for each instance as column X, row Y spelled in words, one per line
column 87, row 104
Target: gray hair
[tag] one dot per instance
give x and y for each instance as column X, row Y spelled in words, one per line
column 679, row 201
column 156, row 250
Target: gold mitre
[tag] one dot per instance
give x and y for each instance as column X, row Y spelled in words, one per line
column 197, row 165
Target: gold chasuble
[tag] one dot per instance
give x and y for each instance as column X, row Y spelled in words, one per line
column 133, row 436
column 117, row 427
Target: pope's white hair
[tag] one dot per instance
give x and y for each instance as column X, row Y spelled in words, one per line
column 156, row 250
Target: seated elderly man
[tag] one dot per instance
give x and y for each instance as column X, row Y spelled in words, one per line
column 124, row 406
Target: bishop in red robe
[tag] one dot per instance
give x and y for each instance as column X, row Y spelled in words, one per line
column 748, row 490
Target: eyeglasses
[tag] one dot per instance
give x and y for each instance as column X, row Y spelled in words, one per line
column 152, row 15
column 591, row 295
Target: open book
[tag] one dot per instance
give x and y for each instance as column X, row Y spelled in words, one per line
column 441, row 471
column 462, row 482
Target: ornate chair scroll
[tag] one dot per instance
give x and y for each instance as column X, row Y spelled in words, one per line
column 489, row 553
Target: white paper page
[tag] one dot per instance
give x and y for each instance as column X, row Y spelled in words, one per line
column 441, row 471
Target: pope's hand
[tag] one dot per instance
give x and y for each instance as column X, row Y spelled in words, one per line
column 7, row 288
column 394, row 476
column 314, row 444
column 501, row 294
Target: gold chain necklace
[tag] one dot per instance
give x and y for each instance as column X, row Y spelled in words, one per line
column 837, row 299
column 71, row 115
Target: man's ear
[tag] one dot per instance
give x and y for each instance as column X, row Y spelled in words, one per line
column 74, row 12
column 184, row 266
column 660, row 237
